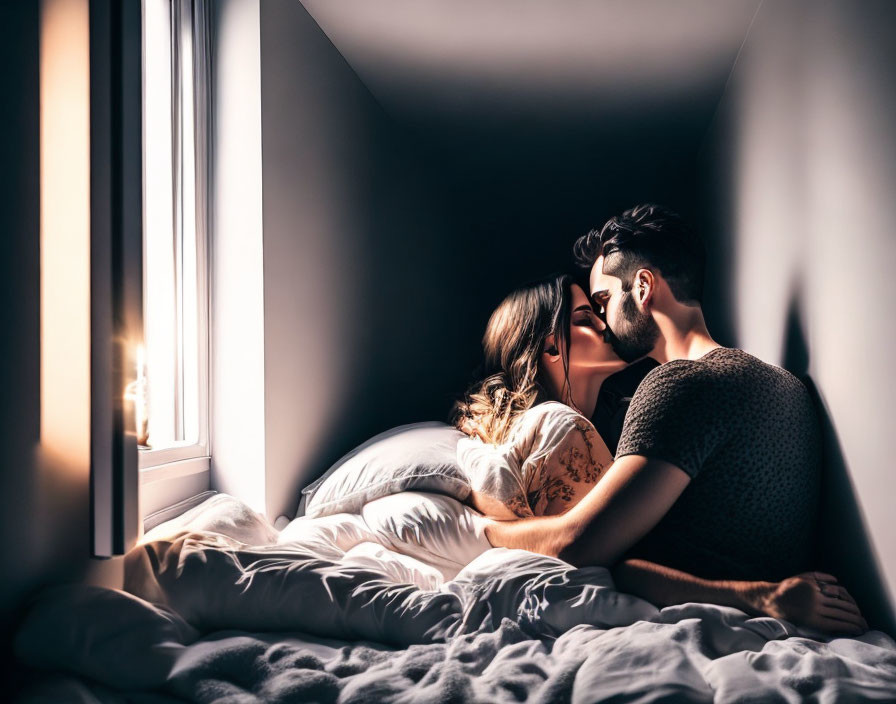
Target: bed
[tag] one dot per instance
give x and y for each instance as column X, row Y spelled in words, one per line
column 404, row 601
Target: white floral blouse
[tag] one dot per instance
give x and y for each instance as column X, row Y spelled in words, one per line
column 551, row 460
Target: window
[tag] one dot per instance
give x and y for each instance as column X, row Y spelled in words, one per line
column 172, row 386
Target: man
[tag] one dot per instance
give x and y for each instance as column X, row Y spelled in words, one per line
column 716, row 472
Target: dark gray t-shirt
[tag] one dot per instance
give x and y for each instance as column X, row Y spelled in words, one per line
column 747, row 434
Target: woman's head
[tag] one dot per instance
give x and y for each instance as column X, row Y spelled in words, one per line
column 537, row 337
column 518, row 331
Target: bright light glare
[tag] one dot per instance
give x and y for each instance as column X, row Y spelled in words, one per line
column 65, row 229
column 189, row 272
column 171, row 295
column 159, row 294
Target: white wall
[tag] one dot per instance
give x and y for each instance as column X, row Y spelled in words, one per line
column 801, row 168
column 237, row 420
column 288, row 116
column 313, row 201
column 317, row 121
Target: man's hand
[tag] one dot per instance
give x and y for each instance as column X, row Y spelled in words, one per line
column 812, row 599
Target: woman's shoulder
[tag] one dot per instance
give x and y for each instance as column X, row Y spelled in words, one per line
column 552, row 412
column 545, row 426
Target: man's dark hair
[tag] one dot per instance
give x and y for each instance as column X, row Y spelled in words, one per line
column 648, row 237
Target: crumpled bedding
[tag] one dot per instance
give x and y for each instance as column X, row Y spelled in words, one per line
column 329, row 611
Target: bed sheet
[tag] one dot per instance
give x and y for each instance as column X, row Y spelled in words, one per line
column 333, row 614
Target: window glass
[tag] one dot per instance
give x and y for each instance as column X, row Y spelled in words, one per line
column 174, row 381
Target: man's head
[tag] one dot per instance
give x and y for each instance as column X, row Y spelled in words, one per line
column 628, row 258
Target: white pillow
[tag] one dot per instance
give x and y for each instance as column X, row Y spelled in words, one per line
column 437, row 530
column 418, row 457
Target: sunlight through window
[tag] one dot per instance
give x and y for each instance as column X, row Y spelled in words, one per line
column 175, row 279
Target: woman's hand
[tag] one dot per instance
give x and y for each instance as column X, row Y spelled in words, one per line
column 473, row 429
column 812, row 599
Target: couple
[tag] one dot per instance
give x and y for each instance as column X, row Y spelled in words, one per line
column 712, row 493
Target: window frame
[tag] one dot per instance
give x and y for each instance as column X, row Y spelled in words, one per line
column 182, row 460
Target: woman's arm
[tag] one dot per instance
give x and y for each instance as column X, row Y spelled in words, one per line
column 562, row 474
column 813, row 599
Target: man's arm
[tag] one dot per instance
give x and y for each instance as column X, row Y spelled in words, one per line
column 813, row 599
column 631, row 498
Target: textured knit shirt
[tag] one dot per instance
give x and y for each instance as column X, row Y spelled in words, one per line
column 747, row 434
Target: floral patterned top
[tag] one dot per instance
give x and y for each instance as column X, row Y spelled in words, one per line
column 551, row 460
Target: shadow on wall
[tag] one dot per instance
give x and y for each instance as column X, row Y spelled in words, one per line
column 842, row 548
column 715, row 222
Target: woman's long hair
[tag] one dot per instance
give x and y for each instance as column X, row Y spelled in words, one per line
column 513, row 343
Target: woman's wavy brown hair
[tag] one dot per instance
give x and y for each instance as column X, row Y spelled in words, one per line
column 511, row 381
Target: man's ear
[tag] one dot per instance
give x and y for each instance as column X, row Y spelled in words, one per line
column 551, row 353
column 644, row 287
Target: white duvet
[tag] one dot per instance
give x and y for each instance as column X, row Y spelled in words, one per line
column 406, row 602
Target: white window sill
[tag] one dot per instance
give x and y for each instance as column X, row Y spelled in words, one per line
column 162, row 485
column 147, row 459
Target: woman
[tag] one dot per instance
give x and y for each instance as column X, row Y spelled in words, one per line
column 545, row 362
column 534, row 451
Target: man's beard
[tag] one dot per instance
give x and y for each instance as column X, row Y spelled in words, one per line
column 636, row 333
